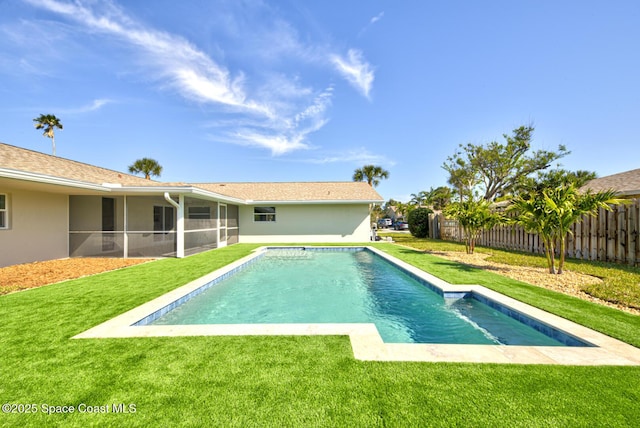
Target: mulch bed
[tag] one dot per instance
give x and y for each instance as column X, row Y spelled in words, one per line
column 31, row 275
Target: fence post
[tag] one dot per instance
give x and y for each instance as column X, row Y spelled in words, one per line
column 621, row 253
column 633, row 230
column 577, row 231
column 612, row 235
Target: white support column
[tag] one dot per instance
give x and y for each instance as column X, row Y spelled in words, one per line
column 180, row 228
column 126, row 226
column 179, row 223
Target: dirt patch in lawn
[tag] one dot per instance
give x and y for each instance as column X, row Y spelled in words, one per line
column 569, row 282
column 31, row 275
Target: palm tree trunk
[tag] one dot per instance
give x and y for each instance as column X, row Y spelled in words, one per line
column 548, row 252
column 562, row 247
column 53, row 144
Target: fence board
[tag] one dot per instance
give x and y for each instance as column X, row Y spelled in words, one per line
column 621, row 233
column 577, row 239
column 633, row 230
column 602, row 235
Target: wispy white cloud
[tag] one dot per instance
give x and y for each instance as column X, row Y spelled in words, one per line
column 356, row 70
column 192, row 73
column 92, row 106
column 376, row 18
column 358, row 156
column 288, row 135
column 372, row 21
column 263, row 106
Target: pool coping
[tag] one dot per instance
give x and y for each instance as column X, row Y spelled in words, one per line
column 365, row 340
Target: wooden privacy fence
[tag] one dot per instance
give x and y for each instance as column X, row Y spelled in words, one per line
column 612, row 236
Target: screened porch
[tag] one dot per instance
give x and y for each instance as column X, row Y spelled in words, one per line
column 148, row 226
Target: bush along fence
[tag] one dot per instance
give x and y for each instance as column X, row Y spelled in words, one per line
column 612, row 236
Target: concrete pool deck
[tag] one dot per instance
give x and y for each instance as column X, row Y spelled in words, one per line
column 366, row 341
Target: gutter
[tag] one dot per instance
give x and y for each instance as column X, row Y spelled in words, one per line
column 48, row 179
column 195, row 191
column 167, row 198
column 315, row 202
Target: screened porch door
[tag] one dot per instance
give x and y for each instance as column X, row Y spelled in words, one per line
column 222, row 225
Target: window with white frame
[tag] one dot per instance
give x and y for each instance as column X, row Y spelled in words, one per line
column 264, row 214
column 4, row 211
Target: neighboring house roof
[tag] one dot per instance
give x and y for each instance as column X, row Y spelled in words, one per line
column 625, row 183
column 22, row 164
column 342, row 191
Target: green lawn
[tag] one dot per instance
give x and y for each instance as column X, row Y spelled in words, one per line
column 284, row 381
column 621, row 283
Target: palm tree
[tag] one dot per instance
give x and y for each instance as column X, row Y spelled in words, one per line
column 441, row 197
column 474, row 216
column 534, row 216
column 402, row 209
column 551, row 212
column 568, row 206
column 147, row 166
column 421, row 198
column 49, row 122
column 371, row 173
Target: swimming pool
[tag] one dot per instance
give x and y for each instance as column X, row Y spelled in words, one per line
column 354, row 285
column 593, row 348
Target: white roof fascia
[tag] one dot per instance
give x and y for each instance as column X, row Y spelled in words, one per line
column 49, row 179
column 317, row 202
column 184, row 190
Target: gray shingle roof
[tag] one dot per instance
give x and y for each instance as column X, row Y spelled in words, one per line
column 627, row 183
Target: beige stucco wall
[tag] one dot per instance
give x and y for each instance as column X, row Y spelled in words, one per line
column 85, row 212
column 38, row 227
column 308, row 223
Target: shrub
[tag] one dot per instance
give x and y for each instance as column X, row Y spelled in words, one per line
column 418, row 220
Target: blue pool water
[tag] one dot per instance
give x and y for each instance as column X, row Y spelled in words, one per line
column 306, row 286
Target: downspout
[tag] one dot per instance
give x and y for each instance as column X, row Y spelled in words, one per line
column 179, row 206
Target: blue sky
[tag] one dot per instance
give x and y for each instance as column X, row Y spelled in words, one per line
column 311, row 90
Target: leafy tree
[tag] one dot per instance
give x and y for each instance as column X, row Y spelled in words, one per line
column 474, row 216
column 463, row 177
column 371, row 173
column 441, row 197
column 497, row 168
column 418, row 220
column 376, row 213
column 147, row 166
column 390, row 203
column 48, row 122
column 555, row 178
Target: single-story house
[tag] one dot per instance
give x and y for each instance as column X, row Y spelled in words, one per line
column 627, row 184
column 53, row 208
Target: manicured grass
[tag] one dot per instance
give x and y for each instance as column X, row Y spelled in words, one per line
column 276, row 381
column 621, row 283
